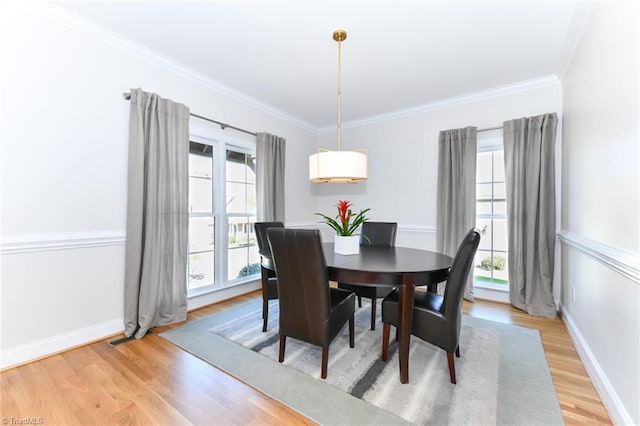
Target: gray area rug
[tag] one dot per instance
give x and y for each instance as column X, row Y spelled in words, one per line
column 503, row 376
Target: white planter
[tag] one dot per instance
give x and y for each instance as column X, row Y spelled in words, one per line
column 346, row 245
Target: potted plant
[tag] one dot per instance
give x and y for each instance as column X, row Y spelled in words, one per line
column 346, row 223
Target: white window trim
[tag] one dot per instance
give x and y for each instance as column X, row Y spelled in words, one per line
column 220, row 143
column 490, row 143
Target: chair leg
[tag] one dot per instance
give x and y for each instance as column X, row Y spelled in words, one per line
column 452, row 367
column 386, row 330
column 283, row 341
column 325, row 361
column 373, row 313
column 265, row 297
column 351, row 332
column 458, row 351
column 359, row 302
column 265, row 313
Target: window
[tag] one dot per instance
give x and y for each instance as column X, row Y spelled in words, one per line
column 490, row 265
column 241, row 214
column 222, row 208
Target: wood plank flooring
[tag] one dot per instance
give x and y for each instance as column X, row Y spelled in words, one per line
column 151, row 381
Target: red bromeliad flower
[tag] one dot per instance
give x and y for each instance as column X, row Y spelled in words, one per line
column 344, row 212
column 346, row 226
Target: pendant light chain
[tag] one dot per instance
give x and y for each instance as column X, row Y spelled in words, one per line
column 328, row 166
column 340, row 93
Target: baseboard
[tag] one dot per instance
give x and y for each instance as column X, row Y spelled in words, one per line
column 29, row 352
column 490, row 294
column 614, row 406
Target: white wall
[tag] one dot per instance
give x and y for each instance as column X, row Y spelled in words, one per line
column 64, row 163
column 601, row 216
column 403, row 155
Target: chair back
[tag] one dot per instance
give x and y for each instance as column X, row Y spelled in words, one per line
column 303, row 283
column 460, row 268
column 261, row 235
column 378, row 234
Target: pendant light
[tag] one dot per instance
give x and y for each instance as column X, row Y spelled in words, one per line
column 326, row 166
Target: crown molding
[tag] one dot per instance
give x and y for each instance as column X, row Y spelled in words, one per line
column 137, row 50
column 622, row 261
column 114, row 40
column 579, row 22
column 494, row 92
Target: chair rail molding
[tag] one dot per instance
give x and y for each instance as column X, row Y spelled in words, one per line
column 622, row 261
column 403, row 229
column 30, row 243
column 416, row 229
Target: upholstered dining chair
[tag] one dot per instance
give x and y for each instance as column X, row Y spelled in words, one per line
column 310, row 310
column 374, row 234
column 267, row 270
column 436, row 318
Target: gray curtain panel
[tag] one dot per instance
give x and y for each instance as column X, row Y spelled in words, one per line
column 270, row 153
column 157, row 214
column 529, row 147
column 456, row 202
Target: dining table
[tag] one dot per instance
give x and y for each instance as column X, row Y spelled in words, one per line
column 400, row 267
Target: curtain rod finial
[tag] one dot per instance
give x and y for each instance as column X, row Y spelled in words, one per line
column 126, row 95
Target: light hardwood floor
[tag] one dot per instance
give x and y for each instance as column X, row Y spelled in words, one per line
column 151, row 381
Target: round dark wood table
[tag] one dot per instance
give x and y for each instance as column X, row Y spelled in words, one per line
column 399, row 267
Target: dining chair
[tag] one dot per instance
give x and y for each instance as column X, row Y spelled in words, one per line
column 374, row 234
column 310, row 310
column 267, row 270
column 436, row 318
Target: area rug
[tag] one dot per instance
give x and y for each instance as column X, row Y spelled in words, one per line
column 503, row 376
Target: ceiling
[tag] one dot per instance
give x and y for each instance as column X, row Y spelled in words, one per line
column 398, row 55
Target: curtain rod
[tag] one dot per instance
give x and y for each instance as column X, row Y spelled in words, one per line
column 127, row 96
column 489, row 128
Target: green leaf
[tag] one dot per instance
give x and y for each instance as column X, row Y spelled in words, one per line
column 350, row 226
